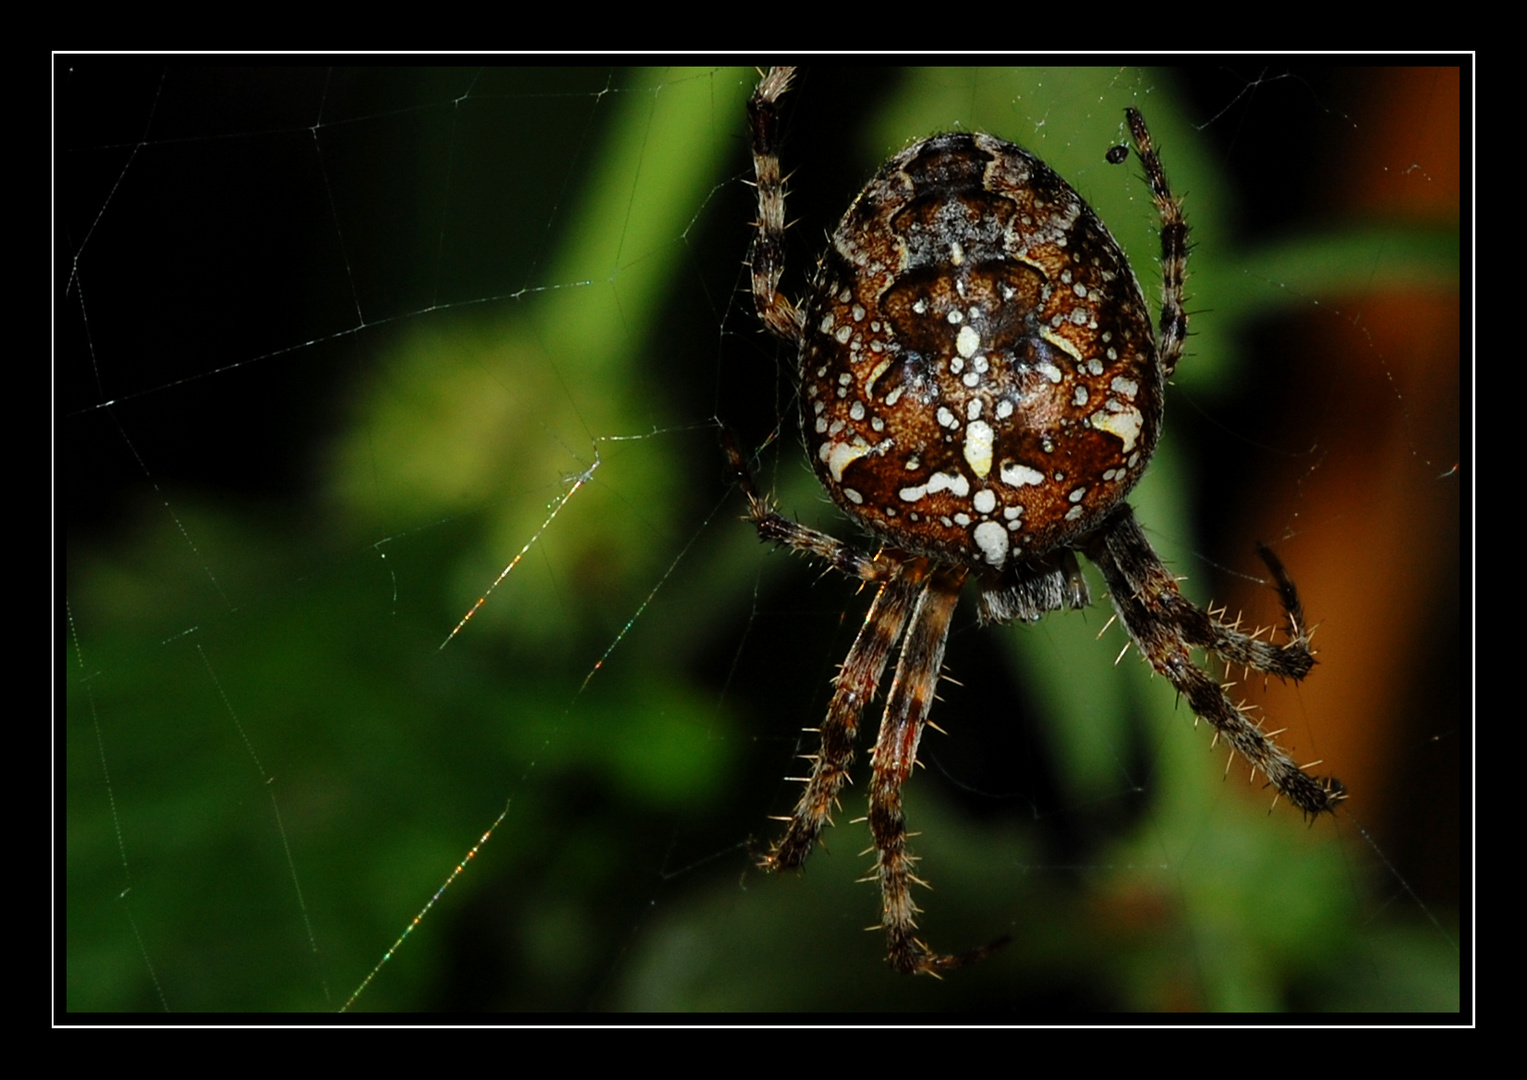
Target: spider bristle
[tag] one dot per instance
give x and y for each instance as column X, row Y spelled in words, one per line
column 1111, row 620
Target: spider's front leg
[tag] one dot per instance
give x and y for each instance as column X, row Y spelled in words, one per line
column 1164, row 625
column 782, row 317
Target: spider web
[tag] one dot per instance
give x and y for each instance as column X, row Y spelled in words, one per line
column 334, row 345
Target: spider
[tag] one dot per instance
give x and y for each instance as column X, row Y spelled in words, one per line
column 980, row 388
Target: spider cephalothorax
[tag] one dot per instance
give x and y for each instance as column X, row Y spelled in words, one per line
column 980, row 389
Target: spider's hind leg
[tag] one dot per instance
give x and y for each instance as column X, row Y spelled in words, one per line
column 1291, row 660
column 1164, row 625
column 906, row 712
column 852, row 689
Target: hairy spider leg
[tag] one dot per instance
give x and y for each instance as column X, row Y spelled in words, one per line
column 1164, row 625
column 906, row 713
column 910, row 589
column 852, row 690
column 779, row 315
column 1174, row 246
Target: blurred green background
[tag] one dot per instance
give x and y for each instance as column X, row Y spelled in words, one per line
column 336, row 345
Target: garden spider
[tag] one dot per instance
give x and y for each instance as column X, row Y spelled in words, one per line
column 980, row 388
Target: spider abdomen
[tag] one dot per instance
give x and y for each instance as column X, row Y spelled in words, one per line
column 978, row 375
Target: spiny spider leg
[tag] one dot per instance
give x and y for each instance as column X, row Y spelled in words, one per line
column 1154, row 612
column 1291, row 660
column 1174, row 246
column 861, row 671
column 852, row 690
column 775, row 527
column 906, row 712
column 909, row 589
column 781, row 316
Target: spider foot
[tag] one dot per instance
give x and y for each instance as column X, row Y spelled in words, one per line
column 788, row 853
column 1334, row 792
column 912, row 957
column 1313, row 795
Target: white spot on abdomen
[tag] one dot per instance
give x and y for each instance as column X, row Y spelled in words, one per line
column 952, row 482
column 967, row 341
column 1020, row 475
column 991, row 538
column 979, row 438
column 1123, row 422
column 838, row 456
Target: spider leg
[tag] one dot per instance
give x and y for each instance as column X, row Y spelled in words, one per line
column 1291, row 660
column 1174, row 246
column 906, row 712
column 774, row 526
column 1158, row 617
column 781, row 316
column 855, row 685
column 852, row 689
column 909, row 589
